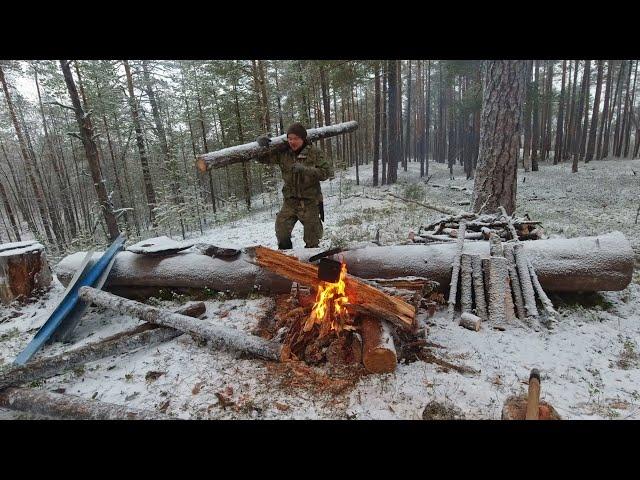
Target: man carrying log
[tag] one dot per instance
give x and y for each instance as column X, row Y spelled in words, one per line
column 303, row 167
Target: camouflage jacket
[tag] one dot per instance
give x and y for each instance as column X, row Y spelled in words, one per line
column 305, row 185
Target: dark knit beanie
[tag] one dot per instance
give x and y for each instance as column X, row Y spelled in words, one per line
column 297, row 129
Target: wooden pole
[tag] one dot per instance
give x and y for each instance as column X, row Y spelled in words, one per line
column 220, row 336
column 533, row 401
column 251, row 150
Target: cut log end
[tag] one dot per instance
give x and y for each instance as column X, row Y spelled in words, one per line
column 470, row 321
column 378, row 349
column 201, row 164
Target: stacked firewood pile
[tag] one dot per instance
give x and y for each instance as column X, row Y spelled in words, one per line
column 499, row 288
column 480, row 227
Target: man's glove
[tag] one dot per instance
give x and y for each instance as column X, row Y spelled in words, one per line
column 263, row 141
column 299, row 168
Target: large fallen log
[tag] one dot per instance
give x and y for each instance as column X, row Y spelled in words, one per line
column 248, row 151
column 68, row 407
column 587, row 264
column 376, row 302
column 219, row 335
column 143, row 335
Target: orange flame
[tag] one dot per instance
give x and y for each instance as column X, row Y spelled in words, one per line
column 329, row 305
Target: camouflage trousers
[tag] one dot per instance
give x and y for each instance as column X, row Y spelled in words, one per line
column 307, row 212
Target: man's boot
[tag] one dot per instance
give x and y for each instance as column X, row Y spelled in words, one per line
column 285, row 244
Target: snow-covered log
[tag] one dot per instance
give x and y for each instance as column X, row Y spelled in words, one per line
column 528, row 293
column 141, row 336
column 68, row 407
column 378, row 350
column 583, row 264
column 466, row 292
column 247, row 151
column 219, row 335
column 455, row 271
column 498, row 276
column 478, row 287
column 23, row 269
column 546, row 302
column 515, row 281
column 470, row 321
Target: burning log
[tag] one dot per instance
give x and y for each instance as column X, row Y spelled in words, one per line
column 251, row 150
column 378, row 350
column 68, row 407
column 142, row 335
column 23, row 269
column 220, row 336
column 583, row 264
column 377, row 303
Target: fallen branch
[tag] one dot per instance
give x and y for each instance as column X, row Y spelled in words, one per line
column 68, row 407
column 431, row 207
column 127, row 341
column 219, row 335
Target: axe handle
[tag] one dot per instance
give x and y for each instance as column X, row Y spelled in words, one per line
column 533, row 400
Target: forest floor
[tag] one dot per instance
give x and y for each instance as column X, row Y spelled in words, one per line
column 590, row 363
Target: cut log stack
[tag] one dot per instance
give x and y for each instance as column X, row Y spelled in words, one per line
column 480, row 227
column 499, row 288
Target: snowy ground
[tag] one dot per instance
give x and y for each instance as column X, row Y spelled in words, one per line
column 590, row 363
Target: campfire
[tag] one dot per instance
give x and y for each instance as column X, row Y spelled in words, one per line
column 348, row 322
column 329, row 310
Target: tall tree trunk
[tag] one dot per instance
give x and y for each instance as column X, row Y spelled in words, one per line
column 535, row 131
column 557, row 155
column 578, row 117
column 66, row 201
column 28, row 166
column 407, row 139
column 527, row 112
column 501, row 122
column 625, row 115
column 385, row 122
column 326, row 103
column 246, row 177
column 594, row 117
column 146, row 173
column 86, row 134
column 568, row 147
column 376, row 123
column 427, row 121
column 548, row 110
column 605, row 112
column 7, row 207
column 395, row 145
column 618, row 107
column 585, row 126
column 164, row 147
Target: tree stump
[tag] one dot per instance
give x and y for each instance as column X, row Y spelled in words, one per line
column 23, row 269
